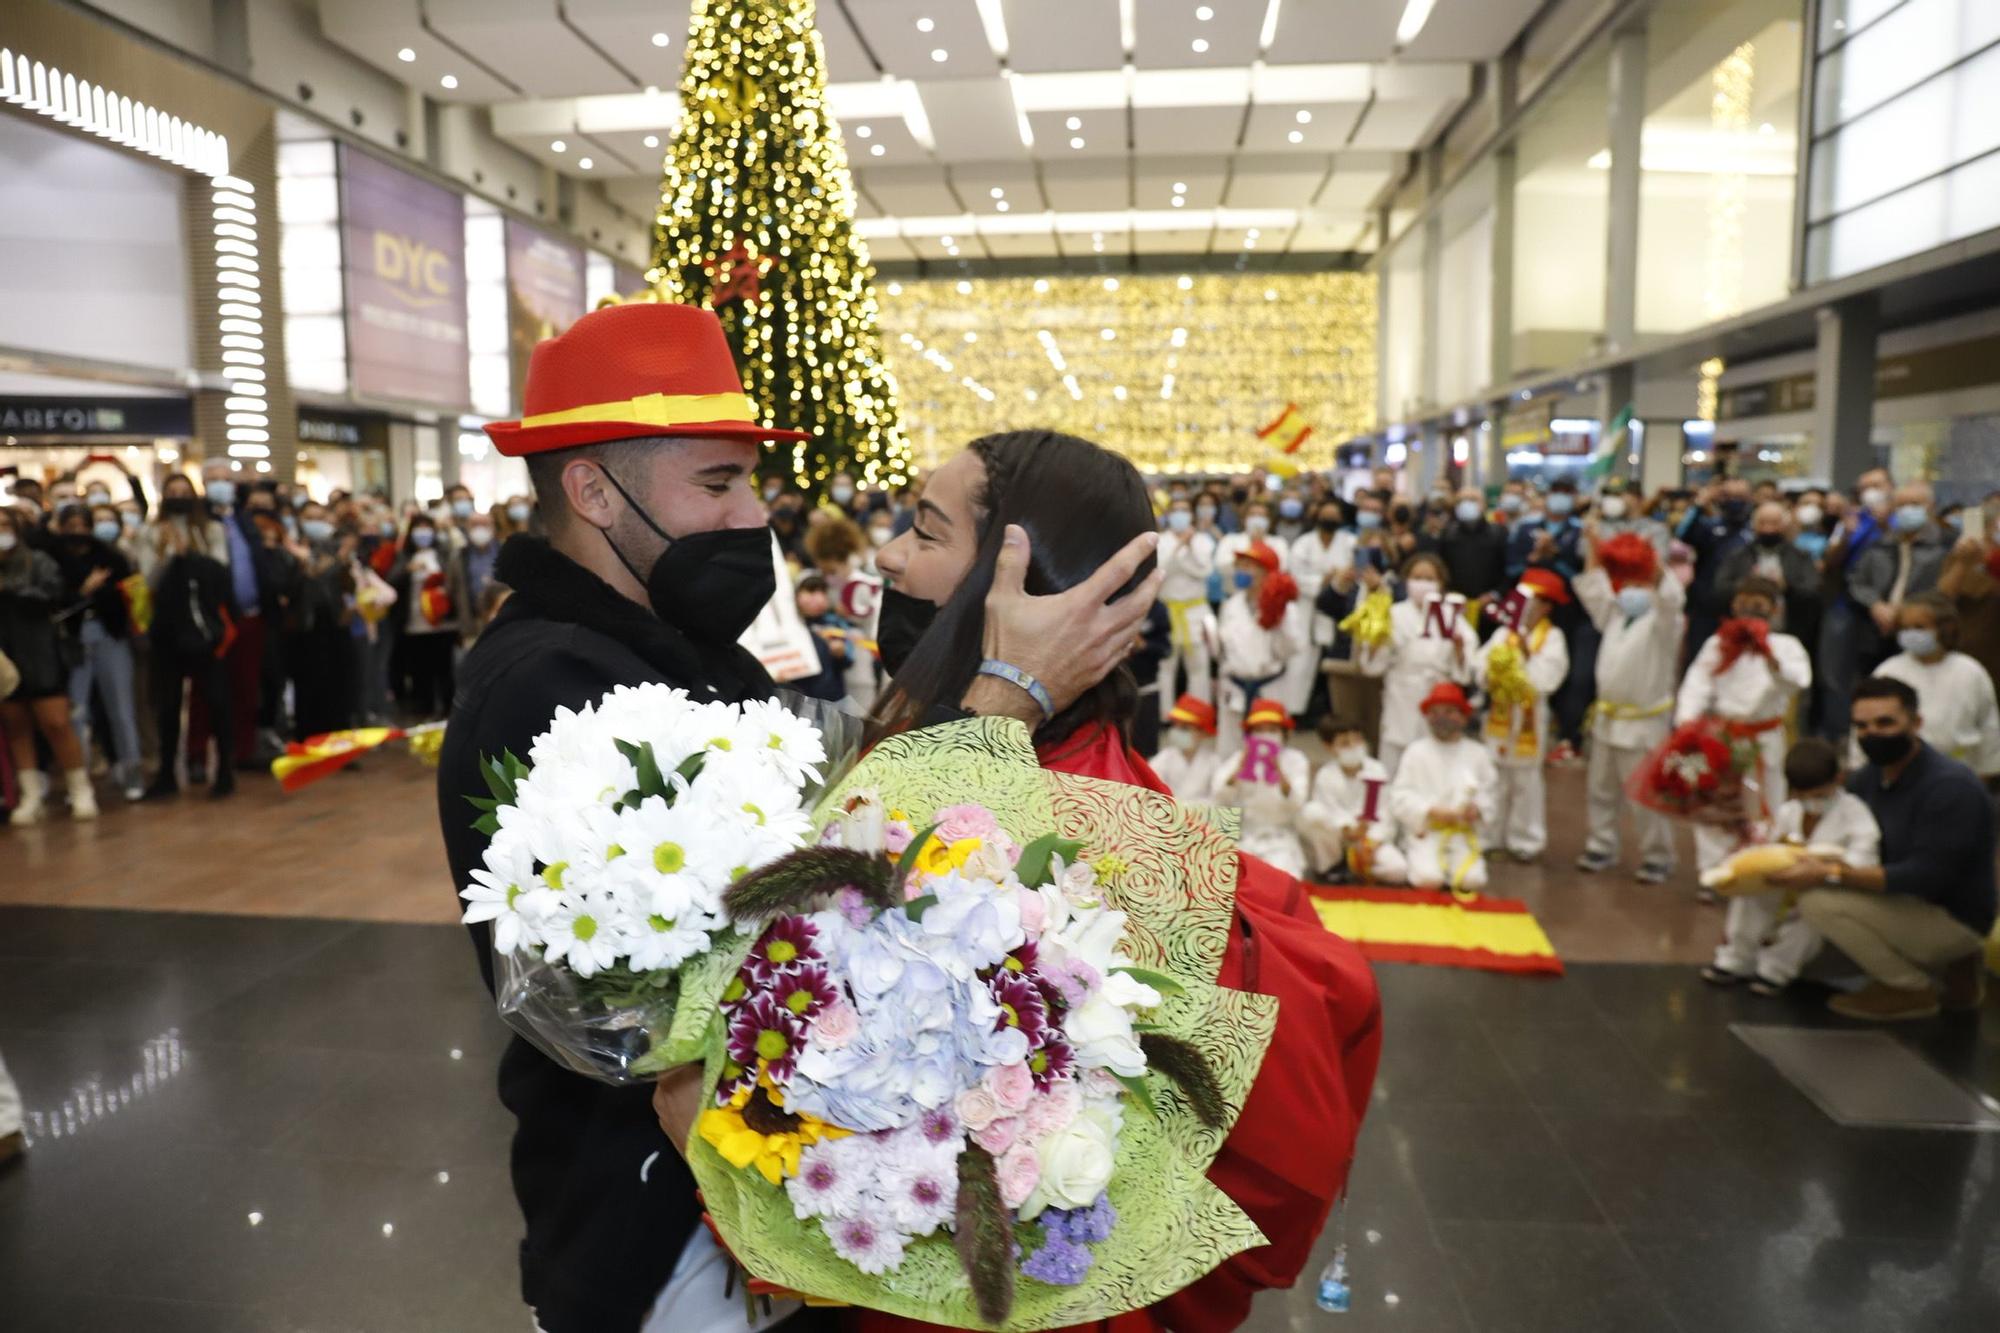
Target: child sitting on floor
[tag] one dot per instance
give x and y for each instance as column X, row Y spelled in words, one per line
column 1442, row 796
column 1187, row 763
column 1268, row 781
column 1346, row 824
column 1765, row 942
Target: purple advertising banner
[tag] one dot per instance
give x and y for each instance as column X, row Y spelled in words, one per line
column 403, row 253
column 544, row 292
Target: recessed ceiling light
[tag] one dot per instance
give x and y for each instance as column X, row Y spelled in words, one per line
column 1296, row 136
column 1077, row 142
column 1252, row 233
column 1270, row 294
column 896, row 289
column 1074, row 123
column 940, row 55
column 1185, row 282
column 997, row 192
column 1767, row 128
column 1001, row 206
column 925, row 25
column 652, row 90
column 661, row 39
column 406, row 55
column 1111, row 284
column 878, row 150
column 1203, row 13
column 946, row 242
column 971, row 337
column 651, row 141
column 558, row 146
column 864, row 132
column 1200, row 45
column 1305, row 117
column 448, row 81
column 1179, row 201
column 1180, row 187
column 584, row 164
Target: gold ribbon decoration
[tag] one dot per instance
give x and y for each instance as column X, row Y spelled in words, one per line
column 1368, row 623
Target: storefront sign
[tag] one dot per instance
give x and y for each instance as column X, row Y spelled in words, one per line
column 544, row 292
column 96, row 416
column 330, row 428
column 403, row 254
column 1527, row 427
column 1942, row 369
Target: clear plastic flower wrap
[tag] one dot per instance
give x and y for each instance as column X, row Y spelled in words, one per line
column 611, row 845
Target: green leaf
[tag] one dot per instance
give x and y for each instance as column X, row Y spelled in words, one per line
column 691, row 766
column 916, row 907
column 487, row 824
column 1159, row 981
column 1141, row 1093
column 1036, row 857
column 651, row 781
column 908, row 860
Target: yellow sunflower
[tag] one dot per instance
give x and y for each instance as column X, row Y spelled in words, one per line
column 755, row 1129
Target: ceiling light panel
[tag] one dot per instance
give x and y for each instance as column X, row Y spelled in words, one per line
column 1184, row 130
column 910, row 191
column 1054, row 35
column 890, row 31
column 1019, row 189
column 1277, row 180
column 531, row 46
column 626, row 29
column 1168, row 31
column 1270, row 126
column 377, row 32
column 1102, row 133
column 971, row 120
column 1086, row 186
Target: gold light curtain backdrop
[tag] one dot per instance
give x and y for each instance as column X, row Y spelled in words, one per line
column 1176, row 372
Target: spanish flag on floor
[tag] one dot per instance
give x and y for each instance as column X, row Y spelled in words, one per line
column 1420, row 926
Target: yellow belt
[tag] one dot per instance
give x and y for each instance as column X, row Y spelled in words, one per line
column 1617, row 712
column 1472, row 855
column 1177, row 613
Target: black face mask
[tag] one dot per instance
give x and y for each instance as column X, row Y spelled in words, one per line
column 1736, row 511
column 1329, row 523
column 1882, row 751
column 900, row 622
column 1771, row 539
column 178, row 506
column 1400, row 514
column 707, row 585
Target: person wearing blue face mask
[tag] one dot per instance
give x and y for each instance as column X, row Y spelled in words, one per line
column 101, row 625
column 1474, row 549
column 1717, row 525
column 422, row 667
column 1849, row 641
column 1954, row 694
column 1892, row 571
column 321, row 656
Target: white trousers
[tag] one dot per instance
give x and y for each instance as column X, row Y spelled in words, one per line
column 1520, row 811
column 10, row 1103
column 1328, row 850
column 1200, row 683
column 1434, row 857
column 1611, row 766
column 1757, row 940
column 1278, row 845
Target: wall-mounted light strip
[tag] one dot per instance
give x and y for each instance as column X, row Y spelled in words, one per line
column 96, row 110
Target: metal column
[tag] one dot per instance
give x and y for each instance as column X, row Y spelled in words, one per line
column 1844, row 390
column 1627, row 114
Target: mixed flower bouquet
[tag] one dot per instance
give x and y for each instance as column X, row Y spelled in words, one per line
column 1705, row 772
column 966, row 1056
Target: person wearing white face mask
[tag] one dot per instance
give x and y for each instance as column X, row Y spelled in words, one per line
column 1890, row 572
column 1187, row 558
column 1636, row 604
column 1187, row 763
column 1848, row 639
column 1268, row 781
column 1346, row 824
column 472, row 574
column 1765, row 941
column 1955, row 696
column 1431, row 642
column 1256, row 528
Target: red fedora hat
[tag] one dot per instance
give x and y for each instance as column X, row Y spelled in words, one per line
column 632, row 370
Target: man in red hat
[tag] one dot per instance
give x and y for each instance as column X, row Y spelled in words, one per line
column 1187, row 764
column 1524, row 663
column 643, row 451
column 1442, row 796
column 1636, row 605
column 1258, row 635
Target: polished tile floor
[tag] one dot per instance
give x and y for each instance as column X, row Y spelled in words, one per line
column 243, row 1123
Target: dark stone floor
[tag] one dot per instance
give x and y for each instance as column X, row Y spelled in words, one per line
column 243, row 1123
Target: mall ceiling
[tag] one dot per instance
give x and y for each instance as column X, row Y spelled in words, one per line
column 1004, row 129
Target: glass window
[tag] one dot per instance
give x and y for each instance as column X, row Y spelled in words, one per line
column 1464, row 341
column 1561, row 194
column 1402, row 357
column 1718, row 160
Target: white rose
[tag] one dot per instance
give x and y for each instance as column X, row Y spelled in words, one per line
column 1076, row 1162
column 1101, row 1033
column 986, row 862
column 1079, row 881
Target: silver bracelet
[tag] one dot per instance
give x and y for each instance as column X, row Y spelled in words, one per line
column 1013, row 675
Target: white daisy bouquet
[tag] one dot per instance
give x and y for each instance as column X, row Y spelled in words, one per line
column 610, row 850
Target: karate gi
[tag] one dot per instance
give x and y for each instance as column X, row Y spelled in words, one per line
column 1414, row 658
column 1761, row 936
column 1186, row 560
column 1270, row 810
column 1338, row 800
column 1955, row 696
column 1756, row 693
column 1517, row 735
column 1190, row 774
column 1253, row 658
column 1636, row 662
column 1432, row 775
column 1312, row 562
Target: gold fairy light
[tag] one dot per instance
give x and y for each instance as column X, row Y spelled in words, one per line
column 1202, row 365
column 1731, row 84
column 759, row 167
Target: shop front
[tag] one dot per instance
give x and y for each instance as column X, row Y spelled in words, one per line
column 118, row 440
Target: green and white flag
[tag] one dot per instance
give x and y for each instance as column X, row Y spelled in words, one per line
column 1617, row 443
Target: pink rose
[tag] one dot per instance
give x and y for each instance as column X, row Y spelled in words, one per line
column 1020, row 1172
column 896, row 837
column 977, row 1109
column 1011, row 1086
column 955, row 823
column 999, row 1136
column 1034, row 912
column 836, row 1025
column 1053, row 1110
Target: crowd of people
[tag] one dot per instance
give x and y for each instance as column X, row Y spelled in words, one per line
column 161, row 642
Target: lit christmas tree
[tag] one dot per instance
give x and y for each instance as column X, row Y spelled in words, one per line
column 757, row 220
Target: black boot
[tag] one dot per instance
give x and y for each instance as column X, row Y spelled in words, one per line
column 162, row 787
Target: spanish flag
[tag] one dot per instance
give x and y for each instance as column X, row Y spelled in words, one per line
column 1420, row 926
column 1288, row 432
column 306, row 762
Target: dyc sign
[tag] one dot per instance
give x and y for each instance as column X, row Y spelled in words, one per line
column 403, row 252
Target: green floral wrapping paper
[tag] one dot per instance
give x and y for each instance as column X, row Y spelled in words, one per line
column 1172, row 868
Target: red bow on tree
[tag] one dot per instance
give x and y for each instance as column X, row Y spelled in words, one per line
column 1743, row 634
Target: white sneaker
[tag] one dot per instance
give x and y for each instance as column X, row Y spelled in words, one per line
column 82, row 798
column 33, row 805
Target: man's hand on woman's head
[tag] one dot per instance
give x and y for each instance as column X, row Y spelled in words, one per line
column 1069, row 641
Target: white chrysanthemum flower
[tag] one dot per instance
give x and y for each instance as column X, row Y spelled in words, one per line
column 751, row 795
column 654, row 942
column 582, row 932
column 506, row 892
column 829, row 1183
column 921, row 1191
column 869, row 1243
column 667, row 847
column 788, row 742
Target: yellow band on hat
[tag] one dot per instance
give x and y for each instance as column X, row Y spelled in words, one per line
column 654, row 409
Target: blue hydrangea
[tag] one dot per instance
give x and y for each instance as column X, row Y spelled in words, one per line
column 1060, row 1262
